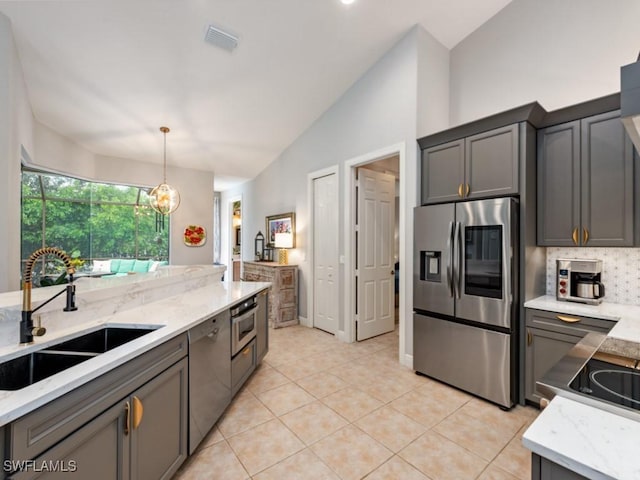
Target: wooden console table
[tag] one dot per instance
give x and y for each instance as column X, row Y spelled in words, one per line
column 283, row 297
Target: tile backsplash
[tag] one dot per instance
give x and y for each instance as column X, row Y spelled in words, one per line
column 620, row 271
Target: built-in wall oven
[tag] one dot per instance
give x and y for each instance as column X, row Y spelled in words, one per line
column 465, row 296
column 243, row 324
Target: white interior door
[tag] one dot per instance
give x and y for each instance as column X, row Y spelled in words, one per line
column 325, row 253
column 375, row 270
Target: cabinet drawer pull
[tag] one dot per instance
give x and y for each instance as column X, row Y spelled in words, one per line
column 460, row 191
column 566, row 319
column 574, row 236
column 127, row 418
column 246, row 351
column 585, row 236
column 529, row 337
column 468, row 189
column 138, row 412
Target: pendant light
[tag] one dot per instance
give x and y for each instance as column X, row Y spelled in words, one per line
column 164, row 198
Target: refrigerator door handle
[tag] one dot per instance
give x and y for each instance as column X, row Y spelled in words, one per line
column 457, row 265
column 450, row 260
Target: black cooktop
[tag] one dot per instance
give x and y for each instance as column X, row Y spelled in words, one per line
column 610, row 378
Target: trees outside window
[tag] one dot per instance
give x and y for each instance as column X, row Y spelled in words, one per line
column 88, row 220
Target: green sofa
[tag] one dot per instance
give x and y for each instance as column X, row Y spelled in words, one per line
column 125, row 266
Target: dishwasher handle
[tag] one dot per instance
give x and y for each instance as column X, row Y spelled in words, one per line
column 209, row 328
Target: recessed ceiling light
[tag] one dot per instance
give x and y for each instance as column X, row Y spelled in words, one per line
column 347, row 2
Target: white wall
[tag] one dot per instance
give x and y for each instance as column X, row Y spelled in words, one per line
column 15, row 130
column 559, row 53
column 378, row 110
column 432, row 108
column 381, row 109
column 47, row 149
column 57, row 153
column 556, row 52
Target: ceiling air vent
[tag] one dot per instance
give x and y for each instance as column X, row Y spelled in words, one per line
column 220, row 38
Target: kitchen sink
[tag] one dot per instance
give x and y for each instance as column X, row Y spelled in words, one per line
column 32, row 367
column 103, row 340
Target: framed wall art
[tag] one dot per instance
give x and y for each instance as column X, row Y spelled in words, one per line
column 281, row 223
column 195, row 236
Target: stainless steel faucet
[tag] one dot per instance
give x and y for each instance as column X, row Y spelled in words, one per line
column 27, row 329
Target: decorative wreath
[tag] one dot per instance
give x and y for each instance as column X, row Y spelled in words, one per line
column 194, row 235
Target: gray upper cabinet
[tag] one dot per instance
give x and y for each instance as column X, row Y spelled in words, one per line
column 479, row 166
column 607, row 182
column 491, row 163
column 559, row 184
column 443, row 172
column 585, row 183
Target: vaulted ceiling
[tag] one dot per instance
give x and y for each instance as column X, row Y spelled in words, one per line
column 108, row 73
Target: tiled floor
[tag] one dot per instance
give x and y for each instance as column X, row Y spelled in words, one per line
column 320, row 409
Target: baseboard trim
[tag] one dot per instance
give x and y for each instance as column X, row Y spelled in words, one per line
column 304, row 321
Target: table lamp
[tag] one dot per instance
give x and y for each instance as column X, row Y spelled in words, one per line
column 283, row 242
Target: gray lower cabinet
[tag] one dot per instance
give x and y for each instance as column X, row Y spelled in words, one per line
column 586, row 183
column 99, row 451
column 549, row 337
column 130, row 423
column 159, row 430
column 243, row 365
column 544, row 469
column 262, row 328
column 479, row 166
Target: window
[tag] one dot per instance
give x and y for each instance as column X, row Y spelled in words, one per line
column 88, row 220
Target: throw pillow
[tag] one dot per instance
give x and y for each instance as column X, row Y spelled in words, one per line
column 102, row 266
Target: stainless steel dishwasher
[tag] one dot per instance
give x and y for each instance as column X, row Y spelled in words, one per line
column 209, row 375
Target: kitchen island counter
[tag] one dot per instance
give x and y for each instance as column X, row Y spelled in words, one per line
column 588, row 440
column 174, row 314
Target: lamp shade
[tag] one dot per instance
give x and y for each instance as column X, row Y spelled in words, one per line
column 284, row 240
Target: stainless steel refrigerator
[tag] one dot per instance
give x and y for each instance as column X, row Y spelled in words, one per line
column 465, row 296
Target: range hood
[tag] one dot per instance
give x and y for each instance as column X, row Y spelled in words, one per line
column 630, row 100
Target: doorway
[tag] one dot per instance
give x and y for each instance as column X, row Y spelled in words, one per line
column 405, row 192
column 376, row 246
column 234, row 254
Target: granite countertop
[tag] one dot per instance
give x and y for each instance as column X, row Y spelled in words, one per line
column 590, row 441
column 174, row 314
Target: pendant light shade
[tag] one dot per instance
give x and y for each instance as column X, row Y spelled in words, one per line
column 164, row 198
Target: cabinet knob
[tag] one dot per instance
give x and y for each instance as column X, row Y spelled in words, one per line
column 468, row 189
column 460, row 191
column 585, row 235
column 529, row 337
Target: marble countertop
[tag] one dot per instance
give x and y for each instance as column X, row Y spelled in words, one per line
column 587, row 440
column 627, row 317
column 174, row 314
column 590, row 441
